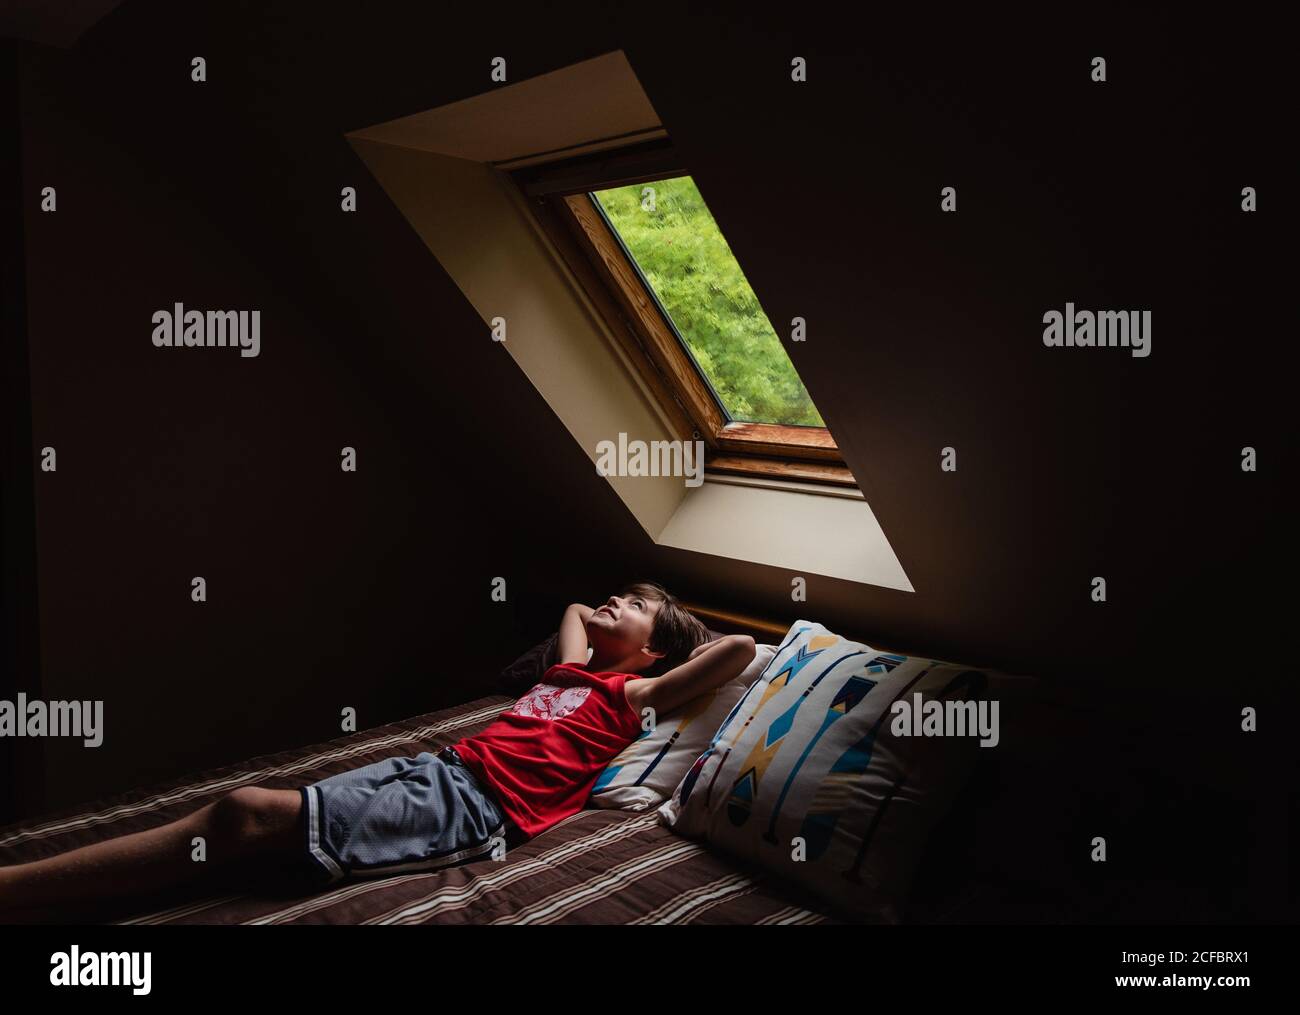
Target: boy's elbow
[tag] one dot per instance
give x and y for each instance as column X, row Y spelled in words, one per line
column 745, row 647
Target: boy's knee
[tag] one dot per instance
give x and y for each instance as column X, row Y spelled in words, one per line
column 250, row 814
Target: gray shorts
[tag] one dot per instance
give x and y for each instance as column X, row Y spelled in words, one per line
column 400, row 814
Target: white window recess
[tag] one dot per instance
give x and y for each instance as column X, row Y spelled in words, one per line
column 444, row 168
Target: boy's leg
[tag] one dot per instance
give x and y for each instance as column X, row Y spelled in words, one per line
column 250, row 823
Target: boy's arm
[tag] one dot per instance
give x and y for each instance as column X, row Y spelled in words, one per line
column 571, row 647
column 709, row 667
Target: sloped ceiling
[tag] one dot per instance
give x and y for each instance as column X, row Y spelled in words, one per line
column 924, row 329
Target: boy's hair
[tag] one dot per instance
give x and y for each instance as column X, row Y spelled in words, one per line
column 677, row 633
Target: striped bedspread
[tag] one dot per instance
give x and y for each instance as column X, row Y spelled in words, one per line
column 598, row 866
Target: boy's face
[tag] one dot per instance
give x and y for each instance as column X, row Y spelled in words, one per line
column 623, row 626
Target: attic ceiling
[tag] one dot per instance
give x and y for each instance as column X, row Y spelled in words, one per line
column 924, row 328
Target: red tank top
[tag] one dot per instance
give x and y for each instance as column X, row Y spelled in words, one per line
column 542, row 755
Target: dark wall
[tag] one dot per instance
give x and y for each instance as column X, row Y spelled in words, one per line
column 22, row 789
column 925, row 329
column 328, row 589
column 325, row 589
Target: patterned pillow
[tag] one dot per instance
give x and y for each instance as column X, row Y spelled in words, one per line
column 646, row 772
column 807, row 778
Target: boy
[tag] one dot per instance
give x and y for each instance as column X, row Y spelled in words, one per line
column 531, row 767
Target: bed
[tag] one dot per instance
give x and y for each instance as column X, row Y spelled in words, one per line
column 600, row 866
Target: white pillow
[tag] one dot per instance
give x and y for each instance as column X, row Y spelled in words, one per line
column 806, row 778
column 645, row 774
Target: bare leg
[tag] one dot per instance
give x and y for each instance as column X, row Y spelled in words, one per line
column 249, row 824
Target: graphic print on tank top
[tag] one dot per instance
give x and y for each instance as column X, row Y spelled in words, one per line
column 546, row 701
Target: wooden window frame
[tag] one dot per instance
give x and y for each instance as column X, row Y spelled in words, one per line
column 559, row 194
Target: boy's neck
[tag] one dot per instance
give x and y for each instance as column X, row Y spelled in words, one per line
column 605, row 664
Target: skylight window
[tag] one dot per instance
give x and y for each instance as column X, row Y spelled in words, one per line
column 670, row 236
column 638, row 236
